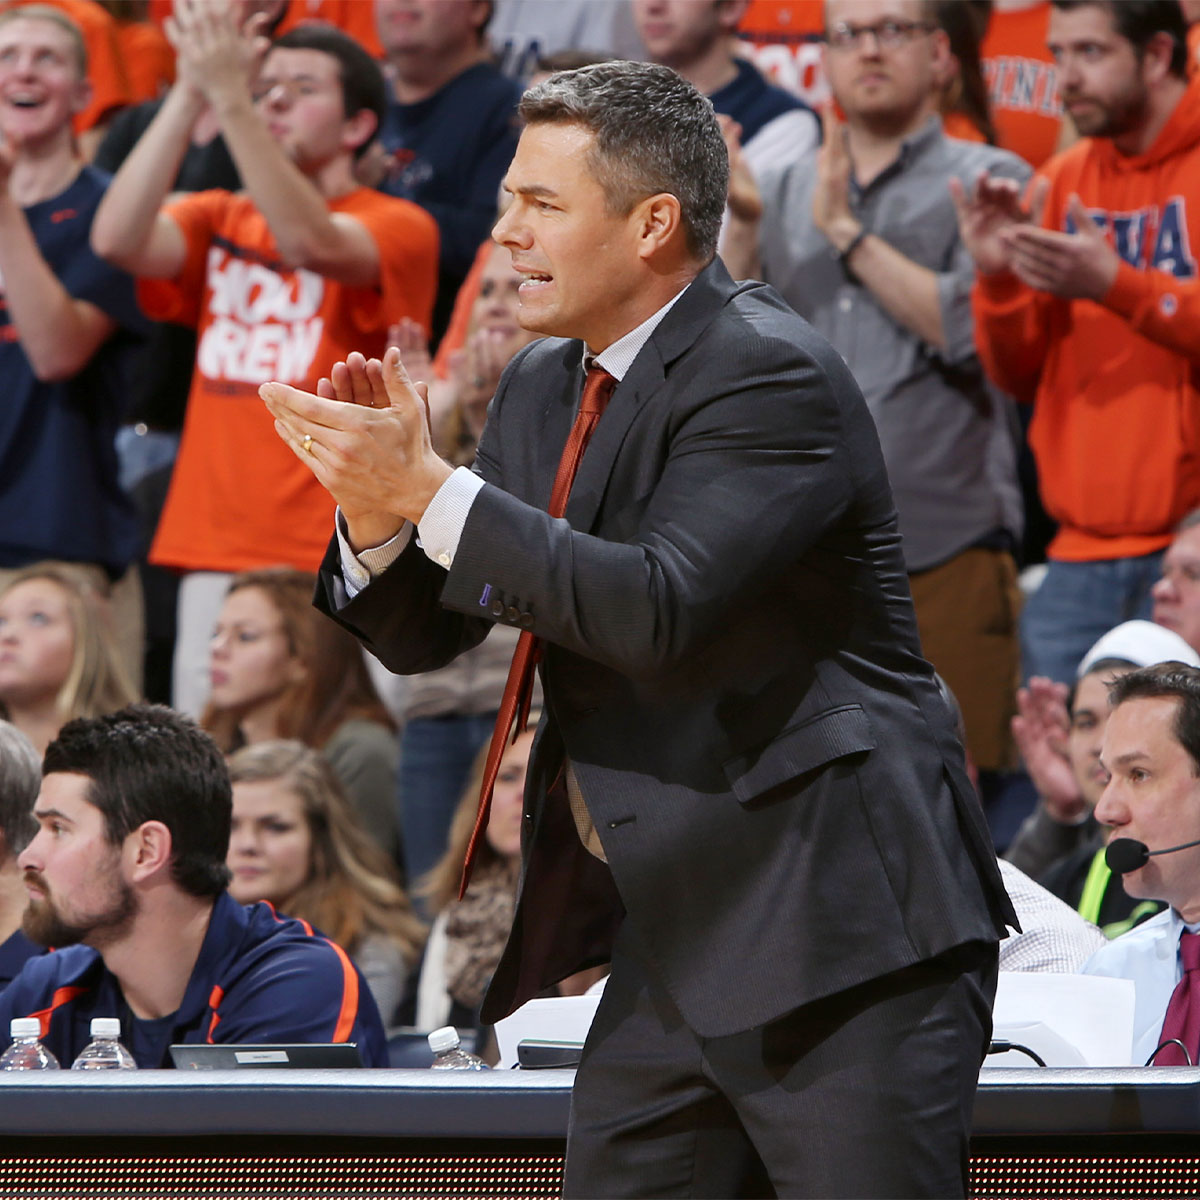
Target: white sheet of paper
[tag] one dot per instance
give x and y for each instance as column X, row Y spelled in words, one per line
column 553, row 1019
column 1093, row 1015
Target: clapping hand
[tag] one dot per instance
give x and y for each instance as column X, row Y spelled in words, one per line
column 365, row 436
column 990, row 210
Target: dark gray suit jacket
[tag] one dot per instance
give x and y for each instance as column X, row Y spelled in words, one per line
column 731, row 663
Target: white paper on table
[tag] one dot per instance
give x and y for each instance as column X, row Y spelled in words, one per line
column 1093, row 1015
column 552, row 1019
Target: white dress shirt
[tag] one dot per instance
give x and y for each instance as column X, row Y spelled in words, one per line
column 1149, row 955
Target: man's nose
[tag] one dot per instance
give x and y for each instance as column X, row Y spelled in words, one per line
column 1068, row 73
column 509, row 231
column 1109, row 809
column 28, row 859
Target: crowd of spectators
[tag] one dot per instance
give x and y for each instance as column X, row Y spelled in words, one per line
column 988, row 209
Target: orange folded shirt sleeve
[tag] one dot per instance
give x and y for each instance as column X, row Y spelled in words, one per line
column 179, row 299
column 1160, row 306
column 407, row 238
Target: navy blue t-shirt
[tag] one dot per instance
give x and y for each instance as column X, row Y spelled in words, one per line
column 60, row 497
column 450, row 152
column 751, row 101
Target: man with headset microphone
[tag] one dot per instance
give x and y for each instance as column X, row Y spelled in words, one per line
column 1152, row 802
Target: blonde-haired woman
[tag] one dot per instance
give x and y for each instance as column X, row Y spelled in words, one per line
column 297, row 843
column 58, row 656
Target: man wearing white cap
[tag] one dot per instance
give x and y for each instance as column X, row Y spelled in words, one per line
column 1059, row 734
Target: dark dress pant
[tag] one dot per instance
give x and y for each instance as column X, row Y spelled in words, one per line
column 867, row 1093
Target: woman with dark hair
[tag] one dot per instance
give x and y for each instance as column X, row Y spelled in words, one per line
column 279, row 669
column 966, row 112
column 297, row 843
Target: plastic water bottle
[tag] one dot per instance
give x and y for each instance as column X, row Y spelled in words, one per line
column 104, row 1052
column 448, row 1054
column 27, row 1052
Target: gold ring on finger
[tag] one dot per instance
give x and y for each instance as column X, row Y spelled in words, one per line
column 306, row 445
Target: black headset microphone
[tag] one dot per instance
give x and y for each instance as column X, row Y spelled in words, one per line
column 1125, row 854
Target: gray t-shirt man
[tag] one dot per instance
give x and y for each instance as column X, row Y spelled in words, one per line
column 947, row 434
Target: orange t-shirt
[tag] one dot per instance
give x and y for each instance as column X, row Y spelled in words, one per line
column 239, row 497
column 1022, row 82
column 355, row 17
column 148, row 59
column 106, row 73
column 782, row 38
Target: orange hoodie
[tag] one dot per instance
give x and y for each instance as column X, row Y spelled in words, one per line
column 1116, row 425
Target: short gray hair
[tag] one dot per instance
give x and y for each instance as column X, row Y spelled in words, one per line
column 654, row 133
column 20, row 779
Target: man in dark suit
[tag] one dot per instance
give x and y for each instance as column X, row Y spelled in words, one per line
column 746, row 790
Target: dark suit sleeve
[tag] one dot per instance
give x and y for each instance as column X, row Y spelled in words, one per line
column 745, row 479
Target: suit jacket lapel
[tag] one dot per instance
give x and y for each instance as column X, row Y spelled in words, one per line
column 678, row 332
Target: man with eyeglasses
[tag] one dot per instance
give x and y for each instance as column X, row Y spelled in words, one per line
column 283, row 278
column 859, row 236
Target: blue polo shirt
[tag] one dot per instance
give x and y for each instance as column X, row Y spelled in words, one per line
column 259, row 977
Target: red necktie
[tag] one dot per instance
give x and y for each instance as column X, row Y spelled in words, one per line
column 1183, row 1013
column 518, row 689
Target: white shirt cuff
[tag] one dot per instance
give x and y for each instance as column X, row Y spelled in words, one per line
column 442, row 526
column 440, row 532
column 359, row 569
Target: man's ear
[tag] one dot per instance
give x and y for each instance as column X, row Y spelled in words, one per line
column 359, row 129
column 942, row 57
column 1156, row 58
column 147, row 850
column 659, row 221
column 730, row 14
column 82, row 96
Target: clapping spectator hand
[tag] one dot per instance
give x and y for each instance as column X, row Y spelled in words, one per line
column 1079, row 265
column 8, row 158
column 745, row 200
column 832, row 214
column 408, row 336
column 213, row 54
column 990, row 211
column 1040, row 730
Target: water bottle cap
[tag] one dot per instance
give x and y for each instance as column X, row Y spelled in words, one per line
column 443, row 1039
column 106, row 1027
column 25, row 1027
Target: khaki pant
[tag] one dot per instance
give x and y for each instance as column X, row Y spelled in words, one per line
column 967, row 612
column 201, row 594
